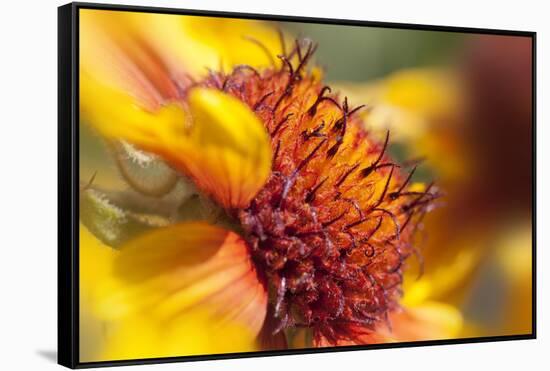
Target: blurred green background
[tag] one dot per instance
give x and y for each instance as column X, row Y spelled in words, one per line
column 355, row 53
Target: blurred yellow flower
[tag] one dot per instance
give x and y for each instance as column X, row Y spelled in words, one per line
column 427, row 109
column 420, row 106
column 132, row 305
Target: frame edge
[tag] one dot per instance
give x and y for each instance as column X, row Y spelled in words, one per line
column 67, row 315
column 68, row 299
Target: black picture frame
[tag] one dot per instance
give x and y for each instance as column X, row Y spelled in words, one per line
column 68, row 184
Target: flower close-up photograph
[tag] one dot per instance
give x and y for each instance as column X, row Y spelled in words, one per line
column 280, row 185
column 256, row 185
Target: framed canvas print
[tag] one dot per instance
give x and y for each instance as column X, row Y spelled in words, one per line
column 240, row 185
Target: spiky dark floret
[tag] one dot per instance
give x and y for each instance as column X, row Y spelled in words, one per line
column 333, row 225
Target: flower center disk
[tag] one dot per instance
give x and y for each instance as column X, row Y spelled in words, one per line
column 331, row 228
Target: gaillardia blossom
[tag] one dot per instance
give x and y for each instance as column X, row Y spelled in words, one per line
column 313, row 225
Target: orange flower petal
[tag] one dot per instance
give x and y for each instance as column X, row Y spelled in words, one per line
column 113, row 48
column 117, row 46
column 428, row 321
column 350, row 335
column 167, row 274
column 229, row 153
column 220, row 143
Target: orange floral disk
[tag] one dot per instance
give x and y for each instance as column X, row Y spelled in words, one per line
column 330, row 230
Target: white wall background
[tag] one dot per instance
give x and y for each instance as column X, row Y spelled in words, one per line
column 28, row 182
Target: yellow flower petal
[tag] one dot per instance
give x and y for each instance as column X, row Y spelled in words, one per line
column 448, row 273
column 515, row 252
column 426, row 91
column 128, row 91
column 428, row 321
column 421, row 107
column 96, row 260
column 221, row 144
column 193, row 334
column 514, row 256
column 113, row 48
column 171, row 274
column 244, row 42
column 119, row 46
column 231, row 156
column 115, row 114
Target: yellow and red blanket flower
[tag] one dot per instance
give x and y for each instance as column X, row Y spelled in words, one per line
column 318, row 220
